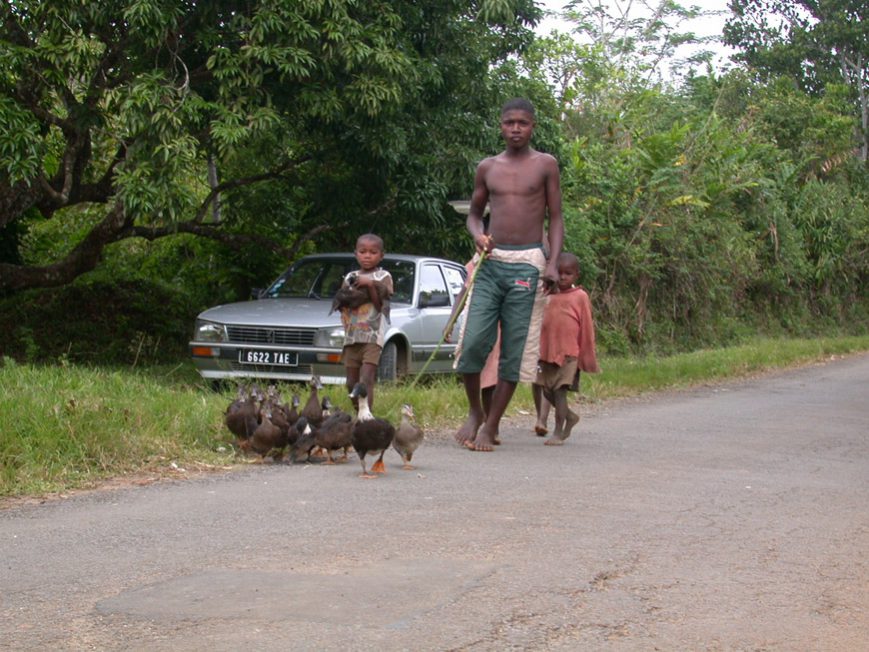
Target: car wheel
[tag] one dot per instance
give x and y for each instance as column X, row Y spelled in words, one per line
column 388, row 369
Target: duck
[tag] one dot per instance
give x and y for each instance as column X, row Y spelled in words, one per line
column 242, row 415
column 327, row 407
column 280, row 412
column 371, row 435
column 408, row 436
column 336, row 432
column 313, row 409
column 301, row 440
column 350, row 296
column 268, row 439
column 293, row 408
column 298, row 431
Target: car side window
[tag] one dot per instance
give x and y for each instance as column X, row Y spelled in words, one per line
column 455, row 279
column 432, row 287
column 402, row 272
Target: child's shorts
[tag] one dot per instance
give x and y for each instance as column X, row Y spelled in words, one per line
column 355, row 355
column 552, row 376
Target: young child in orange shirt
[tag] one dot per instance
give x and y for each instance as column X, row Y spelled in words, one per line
column 566, row 346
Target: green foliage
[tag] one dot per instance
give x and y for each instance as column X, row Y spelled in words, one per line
column 691, row 227
column 815, row 44
column 351, row 112
column 128, row 322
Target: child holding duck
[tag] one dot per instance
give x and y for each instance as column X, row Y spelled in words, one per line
column 365, row 326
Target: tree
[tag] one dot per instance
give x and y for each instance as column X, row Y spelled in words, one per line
column 813, row 42
column 142, row 114
column 642, row 37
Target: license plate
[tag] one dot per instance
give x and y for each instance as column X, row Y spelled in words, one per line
column 269, row 358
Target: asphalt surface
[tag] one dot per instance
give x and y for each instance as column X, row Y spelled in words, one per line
column 729, row 517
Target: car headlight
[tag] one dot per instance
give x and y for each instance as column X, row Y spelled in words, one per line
column 207, row 331
column 332, row 338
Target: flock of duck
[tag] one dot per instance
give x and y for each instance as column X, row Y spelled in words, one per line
column 266, row 426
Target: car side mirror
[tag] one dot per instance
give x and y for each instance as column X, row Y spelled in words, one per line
column 434, row 300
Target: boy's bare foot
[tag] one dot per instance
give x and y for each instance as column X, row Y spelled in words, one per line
column 540, row 429
column 553, row 441
column 484, row 441
column 468, row 430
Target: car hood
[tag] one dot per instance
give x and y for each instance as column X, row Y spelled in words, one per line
column 304, row 313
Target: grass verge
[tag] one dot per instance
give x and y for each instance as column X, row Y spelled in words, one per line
column 64, row 427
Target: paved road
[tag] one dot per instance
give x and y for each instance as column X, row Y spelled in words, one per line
column 733, row 517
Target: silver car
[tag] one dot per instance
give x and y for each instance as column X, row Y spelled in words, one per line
column 290, row 333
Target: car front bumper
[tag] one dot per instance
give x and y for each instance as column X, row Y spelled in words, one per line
column 219, row 361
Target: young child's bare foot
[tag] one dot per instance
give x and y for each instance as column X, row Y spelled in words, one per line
column 571, row 420
column 558, row 438
column 540, row 429
column 468, row 430
column 484, row 441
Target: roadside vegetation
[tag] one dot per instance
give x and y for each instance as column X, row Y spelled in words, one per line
column 66, row 426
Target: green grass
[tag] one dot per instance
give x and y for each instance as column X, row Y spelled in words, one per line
column 67, row 426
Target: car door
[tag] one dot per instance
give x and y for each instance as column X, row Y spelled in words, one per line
column 435, row 302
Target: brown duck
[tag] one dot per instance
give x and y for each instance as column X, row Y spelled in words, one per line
column 313, row 409
column 335, row 433
column 268, row 440
column 242, row 415
column 351, row 296
column 408, row 436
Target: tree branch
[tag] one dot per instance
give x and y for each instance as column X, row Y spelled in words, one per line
column 83, row 258
column 233, row 240
column 215, row 191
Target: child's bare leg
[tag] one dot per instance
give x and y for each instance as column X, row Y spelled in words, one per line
column 486, row 393
column 468, row 430
column 352, row 379
column 488, row 432
column 368, row 375
column 541, row 407
column 564, row 418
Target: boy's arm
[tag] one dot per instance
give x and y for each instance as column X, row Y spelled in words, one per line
column 556, row 223
column 367, row 282
column 479, row 199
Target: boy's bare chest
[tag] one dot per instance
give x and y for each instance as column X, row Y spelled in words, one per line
column 520, row 180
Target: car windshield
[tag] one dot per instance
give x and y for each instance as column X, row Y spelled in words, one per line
column 320, row 278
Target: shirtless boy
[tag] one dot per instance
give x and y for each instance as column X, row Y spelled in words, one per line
column 522, row 187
